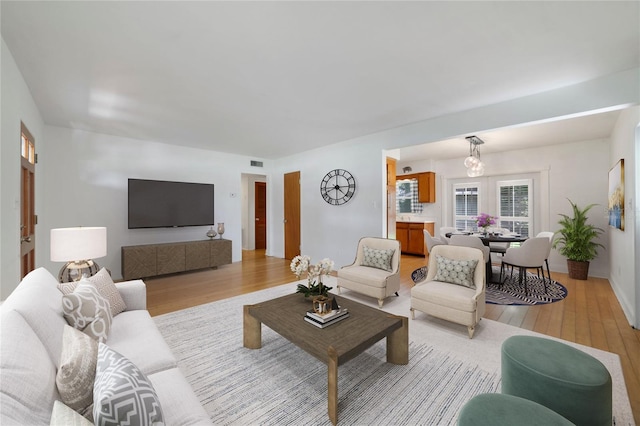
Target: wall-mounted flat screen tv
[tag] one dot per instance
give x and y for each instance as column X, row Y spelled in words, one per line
column 163, row 204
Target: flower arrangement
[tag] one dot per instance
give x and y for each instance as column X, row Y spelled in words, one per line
column 301, row 265
column 485, row 220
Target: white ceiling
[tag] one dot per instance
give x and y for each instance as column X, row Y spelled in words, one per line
column 268, row 79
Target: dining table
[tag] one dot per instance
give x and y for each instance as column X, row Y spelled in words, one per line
column 487, row 238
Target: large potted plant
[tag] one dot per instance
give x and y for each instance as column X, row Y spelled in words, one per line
column 575, row 240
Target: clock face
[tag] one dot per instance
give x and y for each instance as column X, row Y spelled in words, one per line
column 337, row 187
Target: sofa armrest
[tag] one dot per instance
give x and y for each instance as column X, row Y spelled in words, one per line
column 134, row 294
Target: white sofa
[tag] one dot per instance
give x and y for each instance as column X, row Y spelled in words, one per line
column 31, row 329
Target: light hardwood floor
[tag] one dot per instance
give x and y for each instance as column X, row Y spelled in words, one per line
column 590, row 315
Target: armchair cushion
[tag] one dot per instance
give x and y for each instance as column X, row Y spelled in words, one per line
column 380, row 259
column 456, row 271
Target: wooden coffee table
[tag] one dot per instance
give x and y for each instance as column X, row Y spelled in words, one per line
column 333, row 345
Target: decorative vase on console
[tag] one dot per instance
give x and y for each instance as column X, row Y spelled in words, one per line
column 220, row 229
column 211, row 233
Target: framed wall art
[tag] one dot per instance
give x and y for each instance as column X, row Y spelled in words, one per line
column 615, row 203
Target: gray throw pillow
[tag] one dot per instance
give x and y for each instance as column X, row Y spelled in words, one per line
column 122, row 393
column 375, row 258
column 77, row 370
column 105, row 285
column 455, row 271
column 86, row 310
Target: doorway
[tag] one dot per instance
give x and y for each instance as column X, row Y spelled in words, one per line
column 260, row 197
column 27, row 201
column 291, row 215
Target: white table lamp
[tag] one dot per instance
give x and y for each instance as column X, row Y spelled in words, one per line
column 78, row 247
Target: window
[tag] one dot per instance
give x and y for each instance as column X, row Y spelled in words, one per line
column 407, row 196
column 515, row 206
column 466, row 199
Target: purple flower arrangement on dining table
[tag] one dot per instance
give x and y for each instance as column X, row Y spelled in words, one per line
column 484, row 221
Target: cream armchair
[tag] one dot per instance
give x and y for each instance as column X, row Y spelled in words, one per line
column 452, row 302
column 376, row 270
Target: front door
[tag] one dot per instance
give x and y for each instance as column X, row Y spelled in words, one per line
column 27, row 202
column 261, row 215
column 291, row 215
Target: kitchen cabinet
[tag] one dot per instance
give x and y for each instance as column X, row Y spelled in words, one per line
column 411, row 236
column 426, row 185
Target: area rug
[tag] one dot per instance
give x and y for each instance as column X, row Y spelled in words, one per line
column 280, row 384
column 511, row 292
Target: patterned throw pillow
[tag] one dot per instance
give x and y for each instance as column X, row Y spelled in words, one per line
column 77, row 370
column 122, row 394
column 375, row 258
column 86, row 310
column 456, row 271
column 106, row 287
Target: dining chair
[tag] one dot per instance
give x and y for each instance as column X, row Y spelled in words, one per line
column 549, row 235
column 530, row 255
column 499, row 248
column 471, row 241
column 444, row 230
column 430, row 241
column 475, row 242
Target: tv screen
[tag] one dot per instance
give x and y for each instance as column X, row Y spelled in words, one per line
column 163, row 204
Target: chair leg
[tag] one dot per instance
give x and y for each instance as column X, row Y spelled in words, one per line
column 339, row 290
column 397, row 295
column 413, row 313
column 471, row 330
column 380, row 302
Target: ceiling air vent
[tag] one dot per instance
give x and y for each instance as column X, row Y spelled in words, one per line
column 255, row 163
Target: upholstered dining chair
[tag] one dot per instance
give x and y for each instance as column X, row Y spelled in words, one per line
column 471, row 241
column 530, row 255
column 475, row 242
column 375, row 271
column 549, row 235
column 444, row 230
column 457, row 296
column 499, row 248
column 430, row 241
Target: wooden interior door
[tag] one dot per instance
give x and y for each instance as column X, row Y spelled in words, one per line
column 291, row 215
column 260, row 194
column 27, row 202
column 391, row 198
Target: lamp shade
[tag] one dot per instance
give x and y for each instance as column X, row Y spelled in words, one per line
column 81, row 243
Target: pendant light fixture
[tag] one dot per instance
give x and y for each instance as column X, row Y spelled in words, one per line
column 474, row 166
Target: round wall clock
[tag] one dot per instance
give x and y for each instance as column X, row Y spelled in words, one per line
column 337, row 187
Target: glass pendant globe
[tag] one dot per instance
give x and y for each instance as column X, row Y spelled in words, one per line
column 469, row 161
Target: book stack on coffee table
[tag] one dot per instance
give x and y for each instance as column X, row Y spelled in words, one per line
column 326, row 320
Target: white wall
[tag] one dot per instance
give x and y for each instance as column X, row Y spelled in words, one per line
column 327, row 230
column 86, row 185
column 622, row 253
column 576, row 170
column 17, row 105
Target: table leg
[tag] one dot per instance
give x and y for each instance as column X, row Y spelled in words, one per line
column 398, row 344
column 332, row 385
column 252, row 330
